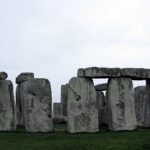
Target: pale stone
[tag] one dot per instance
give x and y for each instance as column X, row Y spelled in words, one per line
column 147, row 106
column 64, row 96
column 140, row 98
column 25, row 76
column 101, row 87
column 82, row 106
column 121, row 106
column 38, row 106
column 3, row 75
column 7, row 106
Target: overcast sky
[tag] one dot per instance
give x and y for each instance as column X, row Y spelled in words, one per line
column 53, row 38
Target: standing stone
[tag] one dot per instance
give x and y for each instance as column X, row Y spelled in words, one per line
column 7, row 106
column 38, row 106
column 64, row 97
column 3, row 75
column 20, row 94
column 82, row 106
column 101, row 87
column 121, row 107
column 147, row 106
column 58, row 113
column 140, row 98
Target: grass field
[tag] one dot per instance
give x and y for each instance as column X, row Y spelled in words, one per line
column 104, row 140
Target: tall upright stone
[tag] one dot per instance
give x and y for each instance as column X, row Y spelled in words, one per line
column 121, row 106
column 7, row 106
column 147, row 106
column 140, row 98
column 20, row 94
column 82, row 106
column 64, row 97
column 38, row 106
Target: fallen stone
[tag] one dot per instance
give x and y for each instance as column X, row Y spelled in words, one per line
column 121, row 106
column 64, row 97
column 24, row 77
column 101, row 87
column 147, row 106
column 38, row 106
column 82, row 106
column 140, row 98
column 7, row 107
column 3, row 75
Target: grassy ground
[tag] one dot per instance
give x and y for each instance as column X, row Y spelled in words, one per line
column 104, row 140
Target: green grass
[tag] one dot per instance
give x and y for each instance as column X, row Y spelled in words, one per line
column 104, row 140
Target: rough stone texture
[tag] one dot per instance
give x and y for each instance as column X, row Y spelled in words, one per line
column 7, row 106
column 20, row 95
column 136, row 73
column 140, row 98
column 3, row 75
column 96, row 72
column 121, row 107
column 101, row 87
column 147, row 106
column 82, row 106
column 24, row 77
column 38, row 106
column 133, row 73
column 101, row 107
column 64, row 96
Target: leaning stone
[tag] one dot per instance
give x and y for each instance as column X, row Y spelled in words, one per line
column 101, row 87
column 24, row 77
column 3, row 75
column 64, row 97
column 7, row 107
column 95, row 72
column 38, row 106
column 136, row 73
column 121, row 107
column 147, row 106
column 82, row 106
column 140, row 98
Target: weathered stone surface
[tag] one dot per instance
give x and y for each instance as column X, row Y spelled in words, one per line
column 24, row 77
column 101, row 87
column 38, row 106
column 147, row 106
column 96, row 72
column 121, row 107
column 64, row 97
column 20, row 98
column 136, row 73
column 7, row 106
column 133, row 73
column 82, row 106
column 140, row 98
column 3, row 75
column 102, row 108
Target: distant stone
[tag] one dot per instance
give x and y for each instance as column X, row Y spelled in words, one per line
column 82, row 106
column 58, row 113
column 96, row 72
column 3, row 75
column 147, row 106
column 121, row 106
column 38, row 106
column 140, row 98
column 136, row 73
column 24, row 77
column 101, row 87
column 64, row 97
column 7, row 106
